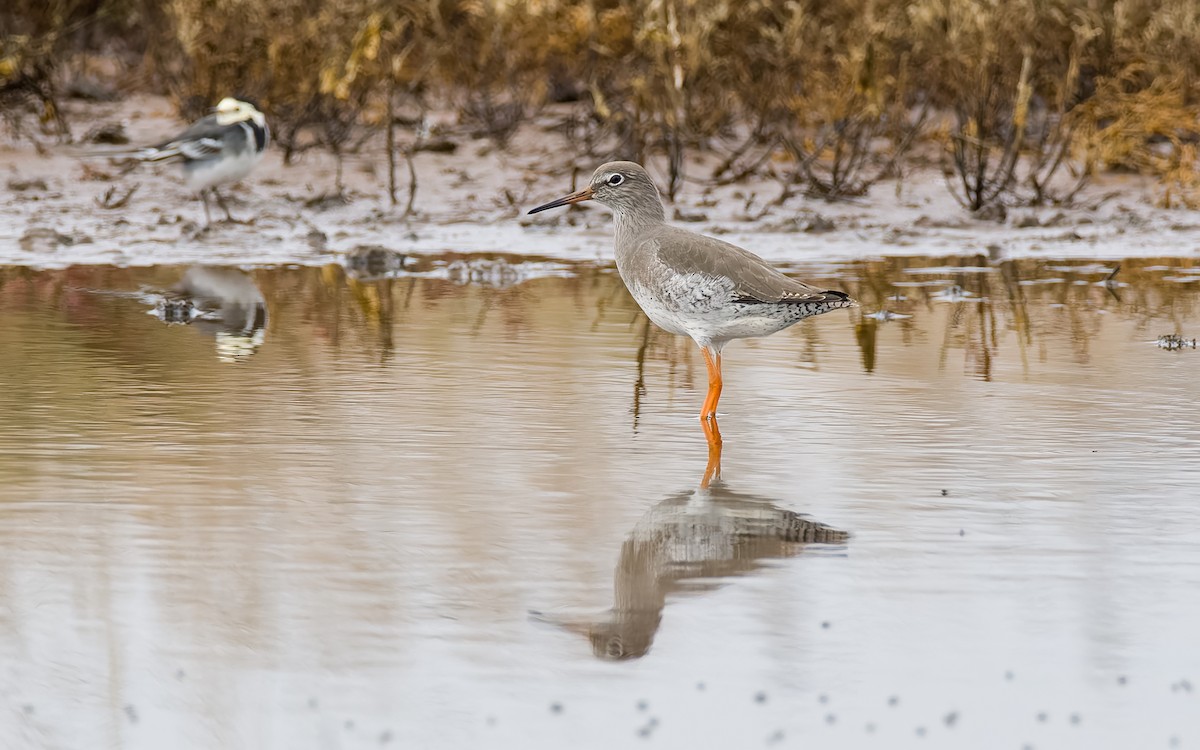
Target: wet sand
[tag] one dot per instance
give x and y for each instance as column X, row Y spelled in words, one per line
column 474, row 200
column 410, row 512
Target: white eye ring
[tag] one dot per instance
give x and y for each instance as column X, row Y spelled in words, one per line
column 616, row 180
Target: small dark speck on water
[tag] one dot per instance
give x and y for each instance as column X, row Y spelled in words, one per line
column 1122, row 679
column 349, row 724
column 28, row 709
column 131, row 712
column 962, row 532
column 490, row 721
column 822, row 698
column 700, row 686
column 760, row 697
column 1075, row 719
column 870, row 728
column 179, row 675
column 1174, row 741
column 643, row 705
column 775, row 738
column 830, row 718
column 1008, row 675
column 385, row 737
column 649, row 728
column 825, row 625
column 894, row 700
column 556, row 708
column 1042, row 717
column 312, row 703
column 920, row 731
column 945, row 493
column 951, row 719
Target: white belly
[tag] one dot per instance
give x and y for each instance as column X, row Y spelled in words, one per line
column 226, row 168
column 701, row 307
column 661, row 312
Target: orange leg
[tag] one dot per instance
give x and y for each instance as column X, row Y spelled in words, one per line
column 709, row 409
column 713, row 435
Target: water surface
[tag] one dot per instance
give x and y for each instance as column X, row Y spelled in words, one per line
column 423, row 506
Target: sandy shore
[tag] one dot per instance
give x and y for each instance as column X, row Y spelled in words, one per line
column 473, row 200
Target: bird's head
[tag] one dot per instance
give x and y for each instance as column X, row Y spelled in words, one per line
column 616, row 636
column 623, row 186
column 230, row 111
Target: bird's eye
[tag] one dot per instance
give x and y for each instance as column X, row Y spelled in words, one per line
column 616, row 179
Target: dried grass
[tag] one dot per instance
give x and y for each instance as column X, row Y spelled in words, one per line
column 1027, row 97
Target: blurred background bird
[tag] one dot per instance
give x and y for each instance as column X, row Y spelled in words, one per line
column 218, row 149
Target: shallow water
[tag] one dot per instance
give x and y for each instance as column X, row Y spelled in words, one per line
column 336, row 512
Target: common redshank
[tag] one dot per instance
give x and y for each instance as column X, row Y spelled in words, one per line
column 694, row 285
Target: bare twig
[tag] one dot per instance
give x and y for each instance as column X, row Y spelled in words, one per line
column 412, row 181
column 391, row 139
column 109, row 199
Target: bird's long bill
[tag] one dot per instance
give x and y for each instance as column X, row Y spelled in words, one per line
column 582, row 195
column 580, row 627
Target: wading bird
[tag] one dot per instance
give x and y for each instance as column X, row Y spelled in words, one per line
column 218, row 149
column 694, row 285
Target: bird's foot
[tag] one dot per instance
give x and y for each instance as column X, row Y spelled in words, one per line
column 712, row 435
column 196, row 231
column 225, row 208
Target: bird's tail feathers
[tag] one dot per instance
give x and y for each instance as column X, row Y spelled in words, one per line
column 139, row 153
column 839, row 298
column 159, row 153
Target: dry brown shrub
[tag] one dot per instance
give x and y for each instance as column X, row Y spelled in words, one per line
column 646, row 72
column 858, row 111
column 1144, row 114
column 823, row 94
column 36, row 39
column 1150, row 130
column 1007, row 73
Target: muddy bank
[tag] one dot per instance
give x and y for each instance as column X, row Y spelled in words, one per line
column 472, row 198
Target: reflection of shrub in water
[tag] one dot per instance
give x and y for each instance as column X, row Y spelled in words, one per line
column 374, row 261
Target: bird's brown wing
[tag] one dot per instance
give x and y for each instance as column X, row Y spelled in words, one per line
column 754, row 279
